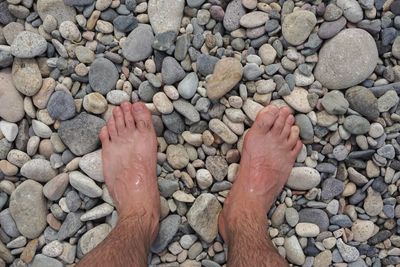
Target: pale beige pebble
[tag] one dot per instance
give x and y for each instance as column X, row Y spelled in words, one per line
column 208, row 138
column 162, row 103
column 267, row 54
column 7, row 168
column 7, row 186
column 251, row 108
column 204, row 178
column 362, row 230
column 150, row 66
column 91, row 23
column 307, row 229
column 143, row 18
column 294, row 251
column 95, row 103
column 325, row 119
column 254, row 19
column 373, row 204
column 70, row 31
column 26, row 75
column 236, row 127
column 329, row 242
column 171, row 92
column 183, row 197
column 43, row 116
column 263, row 99
column 18, row 157
column 192, row 138
column 104, row 27
column 46, row 148
column 323, row 259
column 42, row 97
column 81, row 70
column 223, row 131
column 58, row 145
column 227, row 73
column 249, row 4
column 102, row 5
column 33, row 145
column 349, row 189
column 298, row 100
column 73, row 164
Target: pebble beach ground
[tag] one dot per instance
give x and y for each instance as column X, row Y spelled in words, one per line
column 204, row 69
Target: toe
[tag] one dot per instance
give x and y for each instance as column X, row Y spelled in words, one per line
column 141, row 116
column 296, row 149
column 112, row 130
column 104, row 136
column 119, row 119
column 293, row 136
column 127, row 110
column 287, row 127
column 280, row 121
column 266, row 118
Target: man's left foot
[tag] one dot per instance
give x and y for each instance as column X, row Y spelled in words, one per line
column 129, row 165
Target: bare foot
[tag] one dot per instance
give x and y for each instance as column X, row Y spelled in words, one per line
column 269, row 151
column 129, row 165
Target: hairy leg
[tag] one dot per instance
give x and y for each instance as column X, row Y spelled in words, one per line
column 269, row 151
column 129, row 166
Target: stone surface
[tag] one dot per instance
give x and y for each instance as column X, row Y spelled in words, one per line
column 203, row 216
column 168, row 228
column 26, row 76
column 11, row 102
column 138, row 45
column 165, row 15
column 28, row 209
column 363, row 101
column 28, row 45
column 227, row 73
column 297, row 26
column 92, row 165
column 103, row 75
column 39, row 170
column 61, row 106
column 355, row 58
column 93, row 237
column 80, row 134
column 303, row 178
column 57, row 9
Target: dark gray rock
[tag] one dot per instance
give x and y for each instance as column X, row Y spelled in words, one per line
column 168, row 228
column 174, row 122
column 341, row 220
column 205, row 64
column 331, row 28
column 103, row 75
column 125, row 23
column 78, row 2
column 331, row 188
column 5, row 15
column 138, row 44
column 61, row 106
column 172, row 71
column 316, row 216
column 70, row 226
column 80, row 134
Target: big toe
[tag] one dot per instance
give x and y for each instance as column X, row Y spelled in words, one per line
column 142, row 117
column 266, row 118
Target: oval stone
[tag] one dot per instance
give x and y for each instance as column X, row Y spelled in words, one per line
column 303, row 178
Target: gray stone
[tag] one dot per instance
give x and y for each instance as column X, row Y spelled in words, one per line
column 351, row 10
column 138, row 44
column 174, row 122
column 84, row 184
column 5, row 15
column 316, row 216
column 92, row 165
column 297, row 26
column 28, row 45
column 387, row 101
column 356, row 124
column 165, row 15
column 70, row 226
column 103, row 75
column 168, row 228
column 387, row 151
column 125, row 23
column 172, row 71
column 39, row 170
column 356, row 56
column 335, row 103
column 363, row 101
column 205, row 64
column 348, row 253
column 234, row 11
column 188, row 86
column 306, row 127
column 217, row 166
column 187, row 110
column 93, row 237
column 8, row 224
column 203, row 216
column 78, row 2
column 80, row 134
column 61, row 105
column 28, row 208
column 41, row 260
column 329, row 29
column 57, row 9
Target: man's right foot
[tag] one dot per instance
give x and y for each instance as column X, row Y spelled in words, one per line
column 269, row 151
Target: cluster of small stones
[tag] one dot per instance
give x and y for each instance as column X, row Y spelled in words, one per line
column 204, row 69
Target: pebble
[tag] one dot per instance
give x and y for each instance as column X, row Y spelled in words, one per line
column 103, row 75
column 93, row 237
column 168, row 228
column 41, row 129
column 8, row 224
column 303, row 178
column 70, row 31
column 39, row 170
column 351, row 10
column 162, row 103
column 9, row 130
column 297, row 26
column 92, row 165
column 41, row 260
column 97, row 212
column 316, row 216
column 234, row 11
column 26, row 76
column 298, row 100
column 61, row 106
column 165, row 15
column 28, row 208
column 203, row 216
column 84, row 184
column 335, row 103
column 177, row 156
column 363, row 101
column 54, row 188
column 80, row 134
column 188, row 86
column 28, row 45
column 294, row 252
column 11, row 102
column 373, row 204
column 223, row 131
column 171, row 71
column 228, row 70
column 95, row 103
column 348, row 253
column 138, row 45
column 356, row 124
column 331, row 188
column 57, row 9
column 357, row 56
column 362, row 230
column 254, row 19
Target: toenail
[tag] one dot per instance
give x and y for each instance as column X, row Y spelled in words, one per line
column 142, row 124
column 138, row 106
column 290, row 119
